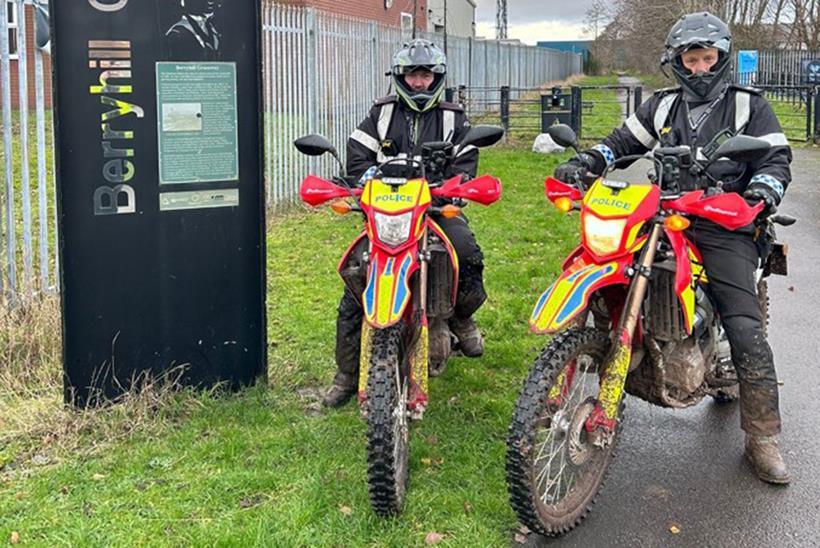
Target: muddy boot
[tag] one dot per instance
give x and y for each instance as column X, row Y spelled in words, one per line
column 338, row 395
column 764, row 455
column 470, row 341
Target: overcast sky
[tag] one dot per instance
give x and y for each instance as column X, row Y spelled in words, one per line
column 535, row 20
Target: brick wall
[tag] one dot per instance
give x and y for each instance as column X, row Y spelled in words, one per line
column 372, row 10
column 15, row 89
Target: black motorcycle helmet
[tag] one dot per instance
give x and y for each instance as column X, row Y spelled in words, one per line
column 419, row 54
column 694, row 31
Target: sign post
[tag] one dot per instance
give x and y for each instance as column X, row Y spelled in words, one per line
column 160, row 194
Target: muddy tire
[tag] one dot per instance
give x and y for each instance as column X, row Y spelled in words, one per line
column 538, row 422
column 388, row 434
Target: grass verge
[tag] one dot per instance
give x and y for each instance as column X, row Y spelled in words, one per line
column 269, row 466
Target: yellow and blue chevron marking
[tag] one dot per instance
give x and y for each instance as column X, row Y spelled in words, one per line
column 388, row 290
column 567, row 297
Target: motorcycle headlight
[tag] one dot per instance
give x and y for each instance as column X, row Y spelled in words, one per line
column 393, row 230
column 603, row 236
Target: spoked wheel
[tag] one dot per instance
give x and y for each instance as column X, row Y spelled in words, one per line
column 388, row 432
column 554, row 472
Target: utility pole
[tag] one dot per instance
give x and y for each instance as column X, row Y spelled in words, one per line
column 445, row 27
column 415, row 15
column 501, row 19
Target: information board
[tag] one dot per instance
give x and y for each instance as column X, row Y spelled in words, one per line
column 160, row 197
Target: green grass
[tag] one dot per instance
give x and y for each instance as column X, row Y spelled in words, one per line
column 602, row 111
column 267, row 466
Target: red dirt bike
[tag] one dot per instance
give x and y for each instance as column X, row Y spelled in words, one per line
column 631, row 314
column 406, row 280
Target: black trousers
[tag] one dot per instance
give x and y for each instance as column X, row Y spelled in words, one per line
column 471, row 295
column 731, row 260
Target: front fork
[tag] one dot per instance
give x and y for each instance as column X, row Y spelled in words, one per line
column 419, row 377
column 602, row 421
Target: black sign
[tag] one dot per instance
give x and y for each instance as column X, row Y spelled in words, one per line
column 811, row 71
column 161, row 210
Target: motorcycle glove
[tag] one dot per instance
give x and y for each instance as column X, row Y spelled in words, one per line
column 757, row 192
column 574, row 171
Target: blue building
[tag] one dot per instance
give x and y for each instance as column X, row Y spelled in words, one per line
column 575, row 46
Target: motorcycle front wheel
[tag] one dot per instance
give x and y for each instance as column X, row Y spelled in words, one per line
column 388, row 431
column 554, row 472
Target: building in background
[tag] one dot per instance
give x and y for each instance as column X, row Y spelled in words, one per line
column 575, row 46
column 394, row 13
column 16, row 20
column 460, row 17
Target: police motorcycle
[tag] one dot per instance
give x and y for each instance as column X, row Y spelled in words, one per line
column 406, row 279
column 630, row 314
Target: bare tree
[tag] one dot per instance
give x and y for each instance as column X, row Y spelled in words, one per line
column 637, row 30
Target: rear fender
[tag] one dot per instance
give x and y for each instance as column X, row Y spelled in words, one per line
column 387, row 292
column 570, row 294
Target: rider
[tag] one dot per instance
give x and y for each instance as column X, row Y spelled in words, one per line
column 706, row 105
column 396, row 127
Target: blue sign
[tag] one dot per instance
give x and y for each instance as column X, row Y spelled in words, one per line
column 811, row 71
column 747, row 61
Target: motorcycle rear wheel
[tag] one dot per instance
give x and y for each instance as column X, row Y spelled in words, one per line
column 388, row 429
column 545, row 436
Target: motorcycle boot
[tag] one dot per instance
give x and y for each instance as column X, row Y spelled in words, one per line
column 338, row 395
column 764, row 455
column 470, row 341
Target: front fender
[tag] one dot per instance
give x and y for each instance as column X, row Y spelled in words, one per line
column 387, row 292
column 569, row 295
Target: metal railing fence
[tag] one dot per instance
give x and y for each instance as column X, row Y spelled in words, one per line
column 28, row 224
column 321, row 73
column 324, row 71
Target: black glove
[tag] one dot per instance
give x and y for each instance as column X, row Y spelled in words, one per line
column 574, row 170
column 758, row 192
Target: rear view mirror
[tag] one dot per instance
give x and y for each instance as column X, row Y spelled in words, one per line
column 482, row 136
column 314, row 145
column 563, row 135
column 742, row 148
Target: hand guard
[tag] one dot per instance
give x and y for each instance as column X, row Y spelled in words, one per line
column 761, row 193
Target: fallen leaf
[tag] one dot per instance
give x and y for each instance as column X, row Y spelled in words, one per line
column 433, row 538
column 346, row 510
column 520, row 539
column 98, row 477
column 40, row 460
column 427, row 461
column 439, row 461
column 19, row 495
column 468, row 508
column 674, row 528
column 15, row 537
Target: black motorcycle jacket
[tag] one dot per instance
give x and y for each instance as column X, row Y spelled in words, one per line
column 665, row 120
column 392, row 131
